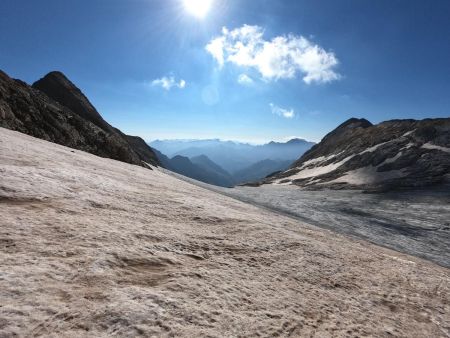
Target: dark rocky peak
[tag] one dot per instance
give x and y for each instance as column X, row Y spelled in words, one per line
column 338, row 139
column 354, row 123
column 55, row 110
column 59, row 88
column 349, row 126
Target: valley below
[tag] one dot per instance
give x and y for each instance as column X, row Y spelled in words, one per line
column 95, row 247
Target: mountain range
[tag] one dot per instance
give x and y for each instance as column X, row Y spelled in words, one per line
column 356, row 155
column 56, row 110
column 202, row 168
column 234, row 156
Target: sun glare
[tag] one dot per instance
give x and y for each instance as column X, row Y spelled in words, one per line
column 198, row 8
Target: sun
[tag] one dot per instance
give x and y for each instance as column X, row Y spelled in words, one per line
column 198, row 8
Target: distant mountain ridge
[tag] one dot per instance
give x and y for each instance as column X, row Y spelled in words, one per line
column 233, row 156
column 260, row 170
column 204, row 162
column 200, row 169
column 55, row 110
column 390, row 155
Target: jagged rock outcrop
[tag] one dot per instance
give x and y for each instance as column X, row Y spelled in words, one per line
column 54, row 109
column 59, row 88
column 390, row 155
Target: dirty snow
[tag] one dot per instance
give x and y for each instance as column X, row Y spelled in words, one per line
column 375, row 147
column 367, row 175
column 99, row 248
column 433, row 146
column 316, row 171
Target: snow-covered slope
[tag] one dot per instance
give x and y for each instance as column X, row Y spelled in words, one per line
column 392, row 154
column 95, row 247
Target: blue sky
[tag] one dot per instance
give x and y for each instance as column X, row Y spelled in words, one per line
column 279, row 69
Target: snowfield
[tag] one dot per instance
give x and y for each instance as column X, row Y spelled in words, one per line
column 413, row 222
column 95, row 247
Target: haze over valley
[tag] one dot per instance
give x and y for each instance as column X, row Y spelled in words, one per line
column 234, row 162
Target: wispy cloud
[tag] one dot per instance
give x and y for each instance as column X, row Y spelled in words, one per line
column 245, row 80
column 287, row 113
column 283, row 57
column 169, row 82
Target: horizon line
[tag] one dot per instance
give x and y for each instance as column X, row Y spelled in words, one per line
column 279, row 140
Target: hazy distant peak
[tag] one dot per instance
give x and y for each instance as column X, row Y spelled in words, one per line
column 201, row 157
column 234, row 156
column 296, row 140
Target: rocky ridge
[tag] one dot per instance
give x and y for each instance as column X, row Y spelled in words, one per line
column 54, row 109
column 359, row 155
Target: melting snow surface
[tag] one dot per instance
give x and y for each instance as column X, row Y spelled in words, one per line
column 375, row 147
column 311, row 172
column 368, row 175
column 433, row 146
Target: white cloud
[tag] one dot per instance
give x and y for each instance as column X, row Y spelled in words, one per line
column 245, row 80
column 169, row 82
column 216, row 49
column 287, row 113
column 283, row 57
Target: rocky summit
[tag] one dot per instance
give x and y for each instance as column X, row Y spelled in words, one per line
column 54, row 109
column 359, row 155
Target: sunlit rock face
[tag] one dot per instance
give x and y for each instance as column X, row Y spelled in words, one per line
column 55, row 110
column 359, row 155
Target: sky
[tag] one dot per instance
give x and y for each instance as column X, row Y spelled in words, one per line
column 245, row 70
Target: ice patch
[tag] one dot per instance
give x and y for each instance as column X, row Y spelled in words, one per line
column 368, row 175
column 319, row 159
column 392, row 159
column 375, row 147
column 433, row 146
column 408, row 133
column 311, row 172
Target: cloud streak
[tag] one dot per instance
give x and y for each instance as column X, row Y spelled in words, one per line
column 286, row 113
column 282, row 57
column 169, row 82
